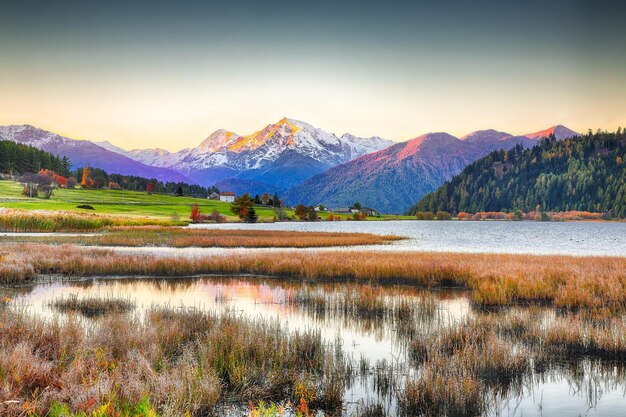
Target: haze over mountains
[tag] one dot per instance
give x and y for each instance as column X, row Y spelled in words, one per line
column 300, row 161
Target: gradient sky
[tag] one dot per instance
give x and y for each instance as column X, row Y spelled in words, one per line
column 167, row 74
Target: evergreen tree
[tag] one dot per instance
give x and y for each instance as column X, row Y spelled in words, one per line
column 585, row 173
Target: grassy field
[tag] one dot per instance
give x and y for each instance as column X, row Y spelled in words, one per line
column 130, row 203
column 178, row 237
column 117, row 202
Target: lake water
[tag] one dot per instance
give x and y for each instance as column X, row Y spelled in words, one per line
column 564, row 238
column 585, row 387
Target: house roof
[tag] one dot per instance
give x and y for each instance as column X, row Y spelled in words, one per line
column 227, row 194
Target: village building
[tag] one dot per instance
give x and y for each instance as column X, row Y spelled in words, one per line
column 227, row 196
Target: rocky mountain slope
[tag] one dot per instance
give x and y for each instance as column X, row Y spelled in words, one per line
column 281, row 155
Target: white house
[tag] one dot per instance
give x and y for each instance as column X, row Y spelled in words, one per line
column 227, row 196
column 214, row 196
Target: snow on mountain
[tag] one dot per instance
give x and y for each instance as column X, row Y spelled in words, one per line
column 110, row 147
column 280, row 154
column 83, row 152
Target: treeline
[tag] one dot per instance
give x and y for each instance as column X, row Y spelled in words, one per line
column 98, row 178
column 585, row 173
column 18, row 159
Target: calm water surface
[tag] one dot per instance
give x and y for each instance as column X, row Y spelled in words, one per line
column 565, row 238
column 587, row 389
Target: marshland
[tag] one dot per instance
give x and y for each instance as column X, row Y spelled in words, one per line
column 235, row 345
column 304, row 330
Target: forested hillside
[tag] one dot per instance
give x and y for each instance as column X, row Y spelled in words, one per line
column 586, row 173
column 17, row 159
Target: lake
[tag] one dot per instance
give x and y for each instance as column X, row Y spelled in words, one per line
column 546, row 238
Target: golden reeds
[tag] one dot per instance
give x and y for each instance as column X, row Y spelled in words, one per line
column 570, row 283
column 138, row 236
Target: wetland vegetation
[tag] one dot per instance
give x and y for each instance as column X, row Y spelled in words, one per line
column 260, row 346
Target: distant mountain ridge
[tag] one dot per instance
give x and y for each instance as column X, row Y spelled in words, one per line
column 393, row 179
column 280, row 155
column 83, row 152
column 306, row 164
column 584, row 173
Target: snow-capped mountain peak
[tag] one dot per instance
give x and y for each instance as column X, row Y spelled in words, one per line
column 228, row 153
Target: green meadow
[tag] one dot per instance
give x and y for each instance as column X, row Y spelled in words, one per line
column 118, row 202
column 131, row 203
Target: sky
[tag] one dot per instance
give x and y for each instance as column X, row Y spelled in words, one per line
column 167, row 74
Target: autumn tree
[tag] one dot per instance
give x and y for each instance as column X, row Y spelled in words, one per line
column 216, row 217
column 60, row 180
column 84, row 182
column 196, row 216
column 150, row 188
column 301, row 212
column 71, row 182
column 241, row 205
column 42, row 182
column 265, row 199
column 251, row 216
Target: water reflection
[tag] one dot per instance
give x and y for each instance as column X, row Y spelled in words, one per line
column 374, row 326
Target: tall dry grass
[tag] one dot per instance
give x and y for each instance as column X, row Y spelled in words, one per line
column 16, row 220
column 138, row 236
column 568, row 283
column 92, row 306
column 173, row 362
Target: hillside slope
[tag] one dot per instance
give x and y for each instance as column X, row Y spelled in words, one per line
column 586, row 173
column 391, row 180
column 83, row 152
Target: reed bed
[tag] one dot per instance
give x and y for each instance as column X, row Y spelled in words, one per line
column 16, row 220
column 169, row 363
column 141, row 236
column 365, row 302
column 596, row 284
column 174, row 362
column 92, row 306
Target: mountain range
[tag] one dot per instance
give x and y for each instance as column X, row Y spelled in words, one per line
column 84, row 152
column 583, row 173
column 393, row 179
column 306, row 164
column 281, row 155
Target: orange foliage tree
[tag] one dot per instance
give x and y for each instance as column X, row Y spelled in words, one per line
column 85, row 180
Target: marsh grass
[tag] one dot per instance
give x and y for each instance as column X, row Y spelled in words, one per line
column 595, row 284
column 176, row 361
column 92, row 306
column 180, row 362
column 16, row 220
column 142, row 236
column 364, row 303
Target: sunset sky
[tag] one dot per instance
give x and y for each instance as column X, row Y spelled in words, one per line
column 167, row 73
